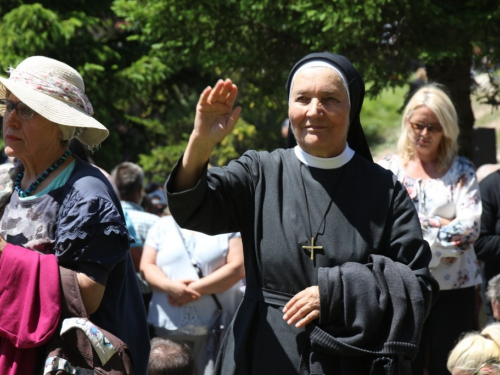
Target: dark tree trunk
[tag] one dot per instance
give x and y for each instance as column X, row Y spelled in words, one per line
column 455, row 74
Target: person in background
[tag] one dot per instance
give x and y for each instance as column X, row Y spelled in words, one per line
column 159, row 202
column 170, row 358
column 488, row 244
column 158, row 198
column 485, row 170
column 493, row 296
column 319, row 222
column 129, row 179
column 445, row 193
column 477, row 353
column 418, row 82
column 184, row 301
column 147, row 205
column 64, row 209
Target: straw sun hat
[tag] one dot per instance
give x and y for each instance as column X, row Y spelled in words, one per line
column 55, row 91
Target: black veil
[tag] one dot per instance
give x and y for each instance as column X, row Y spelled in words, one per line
column 355, row 136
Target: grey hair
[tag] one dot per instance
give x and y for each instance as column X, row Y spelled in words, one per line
column 129, row 178
column 170, row 358
column 493, row 291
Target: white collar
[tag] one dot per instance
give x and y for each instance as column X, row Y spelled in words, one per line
column 324, row 163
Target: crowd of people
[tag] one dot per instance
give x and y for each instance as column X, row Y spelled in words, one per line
column 311, row 259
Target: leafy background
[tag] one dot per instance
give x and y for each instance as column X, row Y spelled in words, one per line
column 145, row 62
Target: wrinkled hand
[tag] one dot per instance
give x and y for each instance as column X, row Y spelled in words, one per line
column 303, row 308
column 215, row 117
column 181, row 293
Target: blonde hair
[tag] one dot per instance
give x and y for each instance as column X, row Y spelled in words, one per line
column 434, row 98
column 477, row 353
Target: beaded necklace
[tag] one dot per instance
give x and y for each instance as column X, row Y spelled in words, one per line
column 25, row 193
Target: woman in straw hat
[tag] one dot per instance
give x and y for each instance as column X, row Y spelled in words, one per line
column 64, row 209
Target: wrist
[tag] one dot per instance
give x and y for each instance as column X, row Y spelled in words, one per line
column 195, row 285
column 200, row 145
column 167, row 287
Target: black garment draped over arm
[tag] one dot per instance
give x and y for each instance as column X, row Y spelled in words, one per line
column 487, row 246
column 262, row 196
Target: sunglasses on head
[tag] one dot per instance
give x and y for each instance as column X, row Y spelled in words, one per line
column 22, row 110
column 433, row 128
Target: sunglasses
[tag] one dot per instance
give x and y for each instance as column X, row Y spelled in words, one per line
column 489, row 362
column 22, row 110
column 433, row 128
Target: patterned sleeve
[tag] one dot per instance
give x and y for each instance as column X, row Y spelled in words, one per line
column 389, row 162
column 91, row 236
column 431, row 225
column 386, row 161
column 458, row 236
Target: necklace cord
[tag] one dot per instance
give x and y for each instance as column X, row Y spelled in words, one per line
column 323, row 220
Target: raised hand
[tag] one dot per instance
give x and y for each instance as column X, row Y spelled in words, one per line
column 215, row 116
column 303, row 308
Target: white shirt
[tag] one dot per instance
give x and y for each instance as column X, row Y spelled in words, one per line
column 210, row 253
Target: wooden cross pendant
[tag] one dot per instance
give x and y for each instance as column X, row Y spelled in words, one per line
column 312, row 248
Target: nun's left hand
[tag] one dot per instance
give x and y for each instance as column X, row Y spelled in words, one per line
column 303, row 308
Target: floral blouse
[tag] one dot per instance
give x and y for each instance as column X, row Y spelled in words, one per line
column 454, row 196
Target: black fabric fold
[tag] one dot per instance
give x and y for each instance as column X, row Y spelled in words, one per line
column 389, row 324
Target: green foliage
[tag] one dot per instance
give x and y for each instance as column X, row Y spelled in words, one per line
column 145, row 62
column 235, row 144
column 41, row 30
column 82, row 36
column 381, row 118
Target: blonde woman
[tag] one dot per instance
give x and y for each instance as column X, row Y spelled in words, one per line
column 444, row 191
column 477, row 353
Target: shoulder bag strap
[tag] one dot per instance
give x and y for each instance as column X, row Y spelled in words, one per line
column 197, row 267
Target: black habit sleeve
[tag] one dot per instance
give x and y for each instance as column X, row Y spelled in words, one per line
column 487, row 246
column 232, row 191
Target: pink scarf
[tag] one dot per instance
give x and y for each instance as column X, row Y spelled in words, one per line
column 30, row 307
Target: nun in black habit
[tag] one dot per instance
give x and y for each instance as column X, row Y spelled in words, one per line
column 336, row 267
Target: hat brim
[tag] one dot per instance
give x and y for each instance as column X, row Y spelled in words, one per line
column 57, row 111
